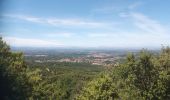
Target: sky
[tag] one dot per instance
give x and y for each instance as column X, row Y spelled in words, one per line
column 85, row 23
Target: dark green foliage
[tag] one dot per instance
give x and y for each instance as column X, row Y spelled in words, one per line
column 13, row 80
column 63, row 80
column 143, row 78
column 50, row 81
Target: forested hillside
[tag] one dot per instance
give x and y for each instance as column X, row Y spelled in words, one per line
column 22, row 80
column 146, row 77
column 143, row 77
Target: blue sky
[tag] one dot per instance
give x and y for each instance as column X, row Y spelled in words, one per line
column 85, row 23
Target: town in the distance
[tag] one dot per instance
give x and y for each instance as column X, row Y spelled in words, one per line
column 107, row 57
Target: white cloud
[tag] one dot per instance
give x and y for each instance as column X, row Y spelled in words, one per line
column 97, row 35
column 26, row 42
column 58, row 21
column 112, row 8
column 134, row 5
column 124, row 14
column 27, row 18
column 60, row 34
column 146, row 32
column 73, row 22
column 128, row 40
column 106, row 9
column 147, row 24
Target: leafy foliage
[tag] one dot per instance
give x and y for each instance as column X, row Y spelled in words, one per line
column 12, row 74
column 146, row 77
column 143, row 78
column 22, row 80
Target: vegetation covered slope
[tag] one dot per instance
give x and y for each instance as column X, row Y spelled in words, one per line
column 21, row 80
column 12, row 74
column 146, row 77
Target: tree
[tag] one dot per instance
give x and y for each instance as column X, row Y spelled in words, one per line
column 12, row 74
column 143, row 78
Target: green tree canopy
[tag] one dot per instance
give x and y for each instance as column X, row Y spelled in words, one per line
column 146, row 77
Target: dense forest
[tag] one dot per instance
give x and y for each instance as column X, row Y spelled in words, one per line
column 143, row 77
column 22, row 79
column 146, row 77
